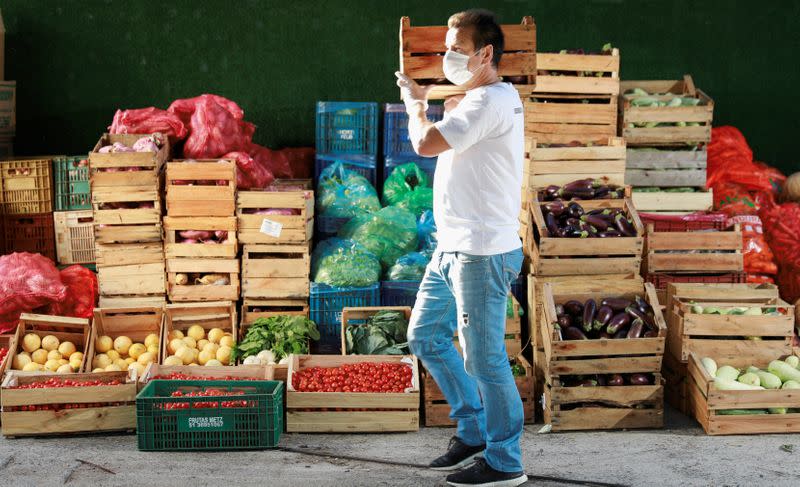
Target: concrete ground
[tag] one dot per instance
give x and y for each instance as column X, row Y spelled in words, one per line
column 679, row 455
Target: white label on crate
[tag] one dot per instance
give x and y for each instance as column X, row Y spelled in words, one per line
column 347, row 134
column 271, row 228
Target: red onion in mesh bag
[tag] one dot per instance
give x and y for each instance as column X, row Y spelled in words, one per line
column 145, row 144
column 275, row 161
column 27, row 281
column 184, row 108
column 214, row 132
column 148, row 120
column 249, row 174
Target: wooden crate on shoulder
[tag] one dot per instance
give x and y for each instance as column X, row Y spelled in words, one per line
column 134, row 323
column 75, row 330
column 554, row 256
column 724, row 337
column 295, row 229
column 708, row 404
column 436, row 410
column 271, row 271
column 688, row 124
column 174, row 246
column 109, row 407
column 193, row 188
column 421, row 50
column 557, row 73
column 700, row 252
column 564, row 118
column 193, row 279
column 351, row 412
column 545, row 165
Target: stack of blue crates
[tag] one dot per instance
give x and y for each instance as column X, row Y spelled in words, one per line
column 397, row 148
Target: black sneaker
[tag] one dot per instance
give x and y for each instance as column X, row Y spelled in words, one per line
column 481, row 474
column 458, row 455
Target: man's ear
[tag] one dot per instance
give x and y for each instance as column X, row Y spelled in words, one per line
column 488, row 53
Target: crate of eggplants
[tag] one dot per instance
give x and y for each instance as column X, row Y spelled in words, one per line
column 609, row 318
column 570, row 220
column 582, row 189
column 609, row 380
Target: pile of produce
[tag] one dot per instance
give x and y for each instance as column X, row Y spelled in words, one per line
column 606, row 50
column 150, row 143
column 202, row 237
column 383, row 334
column 780, row 374
column 408, row 267
column 122, row 353
column 182, row 376
column 198, row 348
column 273, row 339
column 611, row 317
column 169, row 406
column 344, row 262
column 360, row 377
column 641, row 98
column 582, row 189
column 47, row 354
column 739, row 310
column 601, row 380
column 200, row 279
column 570, row 220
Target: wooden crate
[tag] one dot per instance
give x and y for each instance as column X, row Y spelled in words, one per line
column 670, row 135
column 677, row 203
column 109, row 234
column 276, row 271
column 359, row 316
column 561, row 119
column 723, row 337
column 134, row 323
column 253, row 309
column 543, row 166
column 75, row 330
column 700, row 252
column 422, row 48
column 74, row 237
column 254, row 372
column 106, row 200
column 132, row 280
column 193, row 188
column 436, row 410
column 128, row 254
column 556, row 73
column 666, row 168
column 662, row 279
column 706, row 401
column 126, row 169
column 113, row 407
column 200, row 267
column 553, row 256
column 9, row 342
column 214, row 314
column 295, row 229
column 153, row 301
column 173, row 248
column 350, row 412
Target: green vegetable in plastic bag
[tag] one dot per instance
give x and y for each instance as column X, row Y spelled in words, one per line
column 409, row 267
column 404, row 179
column 343, row 193
column 426, row 232
column 344, row 263
column 417, row 201
column 388, row 233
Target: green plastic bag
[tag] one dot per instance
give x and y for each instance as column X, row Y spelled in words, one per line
column 343, row 193
column 388, row 233
column 344, row 263
column 417, row 202
column 404, row 179
column 409, row 267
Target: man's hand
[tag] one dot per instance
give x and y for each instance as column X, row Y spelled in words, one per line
column 412, row 92
column 451, row 102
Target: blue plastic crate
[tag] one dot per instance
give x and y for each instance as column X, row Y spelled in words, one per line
column 399, row 293
column 71, row 184
column 347, row 127
column 395, row 132
column 328, row 226
column 326, row 305
column 367, row 167
column 426, row 164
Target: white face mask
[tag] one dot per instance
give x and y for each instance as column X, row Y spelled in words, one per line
column 455, row 68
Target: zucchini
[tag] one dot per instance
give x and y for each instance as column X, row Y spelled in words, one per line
column 740, row 412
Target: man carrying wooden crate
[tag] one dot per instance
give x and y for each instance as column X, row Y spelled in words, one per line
column 476, row 203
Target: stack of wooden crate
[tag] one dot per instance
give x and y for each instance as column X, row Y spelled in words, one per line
column 200, row 231
column 126, row 203
column 667, row 125
column 275, row 227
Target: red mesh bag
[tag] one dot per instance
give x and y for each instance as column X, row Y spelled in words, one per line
column 214, row 131
column 782, row 229
column 275, row 161
column 82, row 292
column 27, row 281
column 185, row 107
column 301, row 161
column 148, row 120
column 757, row 255
column 730, row 160
column 249, row 174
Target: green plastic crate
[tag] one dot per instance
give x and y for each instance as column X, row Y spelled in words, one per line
column 256, row 425
column 72, row 184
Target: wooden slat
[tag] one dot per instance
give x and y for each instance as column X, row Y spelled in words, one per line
column 431, row 39
column 666, row 135
column 666, row 159
column 727, row 240
column 666, row 177
column 591, row 418
column 355, row 422
column 578, row 62
column 89, row 420
column 576, row 84
column 542, row 112
column 695, row 263
column 623, row 396
column 430, row 67
column 664, row 201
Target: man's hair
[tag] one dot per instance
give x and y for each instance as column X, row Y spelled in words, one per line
column 485, row 30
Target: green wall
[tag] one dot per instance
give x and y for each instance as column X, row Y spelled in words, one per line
column 77, row 61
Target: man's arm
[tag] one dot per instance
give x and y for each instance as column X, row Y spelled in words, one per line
column 424, row 136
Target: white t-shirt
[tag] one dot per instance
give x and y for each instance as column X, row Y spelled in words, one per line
column 476, row 189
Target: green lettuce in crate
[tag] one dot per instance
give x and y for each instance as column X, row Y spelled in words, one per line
column 383, row 334
column 283, row 335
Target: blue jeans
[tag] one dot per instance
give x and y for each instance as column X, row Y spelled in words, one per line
column 469, row 293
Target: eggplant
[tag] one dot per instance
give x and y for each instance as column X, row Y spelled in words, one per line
column 588, row 383
column 650, row 334
column 589, row 312
column 618, row 321
column 575, row 308
column 559, row 309
column 551, row 191
column 583, row 194
column 643, row 305
column 615, row 380
column 621, row 333
column 601, row 380
column 564, row 321
column 640, row 380
column 624, row 226
column 617, row 304
column 574, row 210
column 649, row 321
column 618, row 194
column 572, row 222
column 580, row 184
column 573, row 333
column 551, row 223
column 585, row 227
column 610, row 233
column 603, row 316
column 636, row 329
column 572, row 232
column 598, row 222
column 557, row 208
